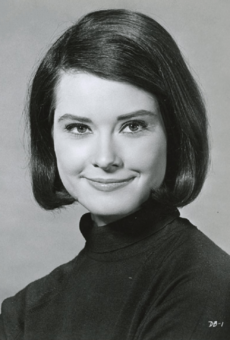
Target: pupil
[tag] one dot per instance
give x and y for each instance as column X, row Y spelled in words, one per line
column 134, row 126
column 81, row 128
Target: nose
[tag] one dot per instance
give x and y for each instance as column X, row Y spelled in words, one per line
column 106, row 155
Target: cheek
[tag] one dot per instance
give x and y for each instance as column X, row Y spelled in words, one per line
column 149, row 156
column 70, row 159
column 158, row 156
column 154, row 168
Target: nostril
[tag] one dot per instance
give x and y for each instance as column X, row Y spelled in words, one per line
column 105, row 156
column 106, row 167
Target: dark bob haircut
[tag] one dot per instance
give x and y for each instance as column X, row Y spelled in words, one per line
column 129, row 47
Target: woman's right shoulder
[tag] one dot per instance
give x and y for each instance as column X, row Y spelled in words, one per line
column 35, row 294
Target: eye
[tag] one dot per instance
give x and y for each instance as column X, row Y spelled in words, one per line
column 134, row 126
column 77, row 128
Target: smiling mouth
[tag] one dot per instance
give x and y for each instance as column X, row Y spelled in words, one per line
column 108, row 184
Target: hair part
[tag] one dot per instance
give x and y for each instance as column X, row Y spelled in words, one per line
column 129, row 47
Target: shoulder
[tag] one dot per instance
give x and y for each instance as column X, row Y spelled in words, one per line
column 14, row 309
column 197, row 248
column 187, row 260
column 190, row 285
column 194, row 266
column 47, row 286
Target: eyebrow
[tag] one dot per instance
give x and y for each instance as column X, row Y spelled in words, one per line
column 136, row 114
column 119, row 118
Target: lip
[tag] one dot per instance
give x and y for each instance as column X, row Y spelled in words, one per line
column 108, row 184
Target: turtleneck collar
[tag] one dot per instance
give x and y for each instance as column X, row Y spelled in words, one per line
column 126, row 231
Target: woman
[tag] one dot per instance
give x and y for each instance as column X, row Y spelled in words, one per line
column 118, row 124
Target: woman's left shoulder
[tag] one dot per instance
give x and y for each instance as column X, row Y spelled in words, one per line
column 190, row 286
column 200, row 253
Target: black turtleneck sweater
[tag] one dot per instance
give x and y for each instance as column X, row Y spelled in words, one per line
column 149, row 276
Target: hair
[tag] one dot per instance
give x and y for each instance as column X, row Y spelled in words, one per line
column 129, row 47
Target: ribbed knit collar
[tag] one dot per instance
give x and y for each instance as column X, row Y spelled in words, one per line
column 129, row 230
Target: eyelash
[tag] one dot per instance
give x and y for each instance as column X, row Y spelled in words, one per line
column 142, row 124
column 72, row 126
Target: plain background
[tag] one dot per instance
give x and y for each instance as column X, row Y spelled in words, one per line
column 34, row 241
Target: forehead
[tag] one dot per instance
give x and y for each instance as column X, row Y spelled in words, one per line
column 87, row 93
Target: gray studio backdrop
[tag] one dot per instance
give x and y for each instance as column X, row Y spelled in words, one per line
column 33, row 241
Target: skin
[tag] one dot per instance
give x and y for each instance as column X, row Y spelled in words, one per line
column 110, row 144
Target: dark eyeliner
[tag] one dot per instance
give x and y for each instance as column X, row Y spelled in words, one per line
column 69, row 127
column 142, row 123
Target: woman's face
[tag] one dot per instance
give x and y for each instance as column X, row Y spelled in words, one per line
column 110, row 144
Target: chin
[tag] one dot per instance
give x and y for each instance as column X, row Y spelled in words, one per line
column 112, row 207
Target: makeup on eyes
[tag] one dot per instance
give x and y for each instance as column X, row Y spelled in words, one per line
column 81, row 119
column 134, row 126
column 79, row 125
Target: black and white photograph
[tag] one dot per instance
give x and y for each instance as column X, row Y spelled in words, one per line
column 114, row 172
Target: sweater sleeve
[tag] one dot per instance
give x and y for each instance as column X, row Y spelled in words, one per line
column 189, row 314
column 11, row 319
column 2, row 331
column 15, row 309
column 194, row 296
